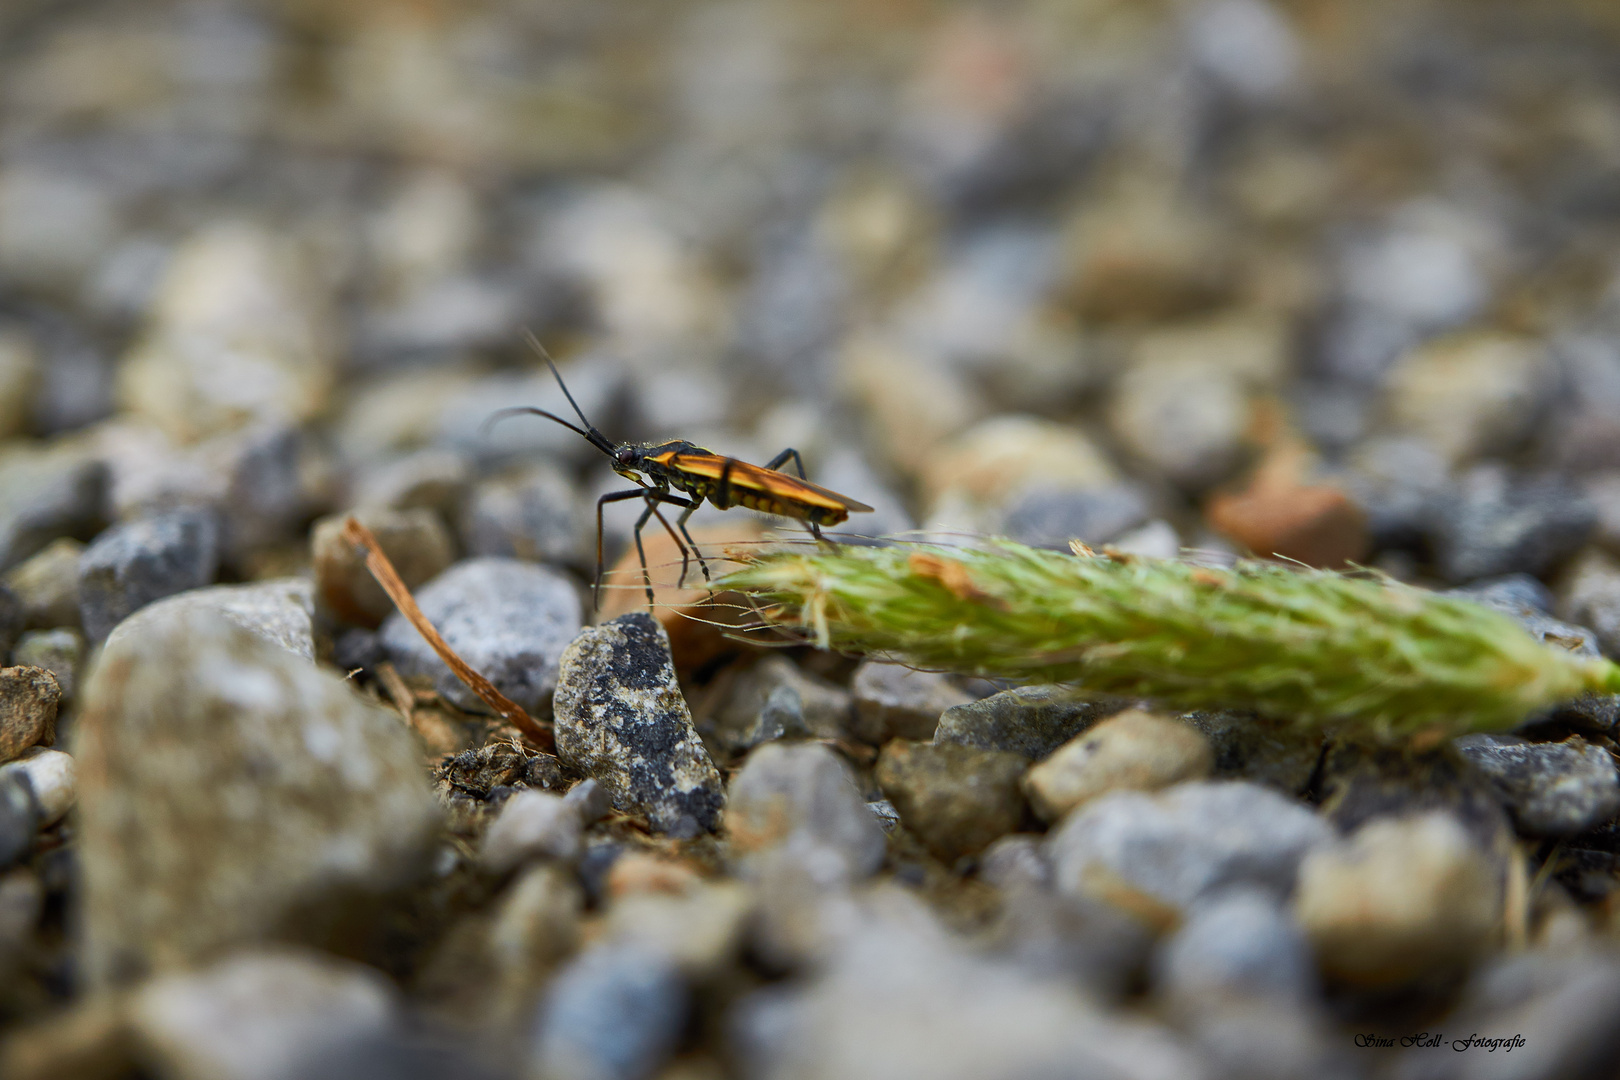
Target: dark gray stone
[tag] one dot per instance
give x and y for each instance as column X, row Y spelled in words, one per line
column 615, row 1013
column 590, row 800
column 774, row 699
column 1247, row 747
column 1186, row 842
column 19, row 818
column 621, row 719
column 1240, row 942
column 956, row 799
column 46, row 495
column 134, row 563
column 534, row 514
column 1016, row 861
column 1551, row 789
column 1031, row 721
column 1072, row 939
column 264, row 496
column 893, row 701
column 1489, row 525
column 802, row 801
column 1051, row 518
column 13, row 617
column 510, row 620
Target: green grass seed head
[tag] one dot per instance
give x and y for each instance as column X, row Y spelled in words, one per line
column 1313, row 646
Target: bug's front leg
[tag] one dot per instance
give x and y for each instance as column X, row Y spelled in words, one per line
column 653, row 498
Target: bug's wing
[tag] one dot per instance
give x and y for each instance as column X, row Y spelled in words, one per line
column 779, row 485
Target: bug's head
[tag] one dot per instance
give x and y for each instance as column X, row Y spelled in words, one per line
column 626, row 460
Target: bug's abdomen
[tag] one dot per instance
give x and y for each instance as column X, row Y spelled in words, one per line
column 766, row 504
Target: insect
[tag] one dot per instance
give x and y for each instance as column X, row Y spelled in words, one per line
column 701, row 474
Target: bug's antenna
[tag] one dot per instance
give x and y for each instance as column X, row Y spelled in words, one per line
column 593, row 436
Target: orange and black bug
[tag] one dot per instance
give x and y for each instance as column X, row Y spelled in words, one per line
column 702, row 474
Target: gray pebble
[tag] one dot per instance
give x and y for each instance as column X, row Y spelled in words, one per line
column 276, row 796
column 802, row 801
column 259, row 1016
column 1239, row 942
column 534, row 514
column 1491, row 525
column 1248, row 747
column 510, row 620
column 1551, row 789
column 19, row 817
column 888, row 818
column 1028, row 720
column 1016, row 861
column 264, row 493
column 590, row 800
column 1095, row 516
column 431, row 479
column 531, row 824
column 774, row 699
column 893, row 701
column 13, row 617
column 58, row 651
column 1186, row 842
column 615, row 1013
column 47, row 495
column 132, row 564
column 621, row 719
column 281, row 611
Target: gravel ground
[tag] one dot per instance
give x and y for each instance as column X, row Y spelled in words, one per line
column 1331, row 280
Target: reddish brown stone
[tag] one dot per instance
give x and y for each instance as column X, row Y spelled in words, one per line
column 1281, row 514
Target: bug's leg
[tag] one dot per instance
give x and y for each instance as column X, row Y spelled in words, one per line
column 781, row 459
column 616, row 496
column 653, row 499
column 681, row 522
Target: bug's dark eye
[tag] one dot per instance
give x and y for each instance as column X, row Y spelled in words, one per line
column 624, row 455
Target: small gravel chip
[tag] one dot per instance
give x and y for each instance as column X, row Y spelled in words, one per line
column 1028, row 720
column 621, row 719
column 531, row 824
column 510, row 620
column 1138, row 750
column 19, row 817
column 957, row 800
column 802, row 800
column 134, row 563
column 1185, row 842
column 591, row 800
column 1240, row 942
column 1399, row 898
column 615, row 1013
column 1551, row 789
column 52, row 778
column 29, row 697
column 893, row 701
column 59, row 651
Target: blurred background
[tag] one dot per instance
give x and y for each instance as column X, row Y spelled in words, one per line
column 1329, row 279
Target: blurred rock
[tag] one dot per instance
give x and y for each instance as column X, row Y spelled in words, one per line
column 1140, row 252
column 535, row 514
column 1246, row 46
column 590, row 801
column 415, row 541
column 995, row 459
column 702, row 928
column 48, row 584
column 956, row 799
column 1134, row 750
column 1551, row 789
column 278, row 611
column 456, row 416
column 134, row 563
column 1239, row 943
column 54, row 224
column 1591, row 597
column 258, row 1016
column 802, row 802
column 1491, row 524
column 1048, row 517
column 277, row 802
column 614, row 1013
column 1397, row 899
column 29, row 697
column 510, row 620
column 1028, row 720
column 911, row 407
column 237, row 334
column 621, row 720
column 1016, row 861
column 1183, row 418
column 19, row 816
column 1281, row 513
column 45, row 495
column 19, row 378
column 1251, row 748
column 1469, row 396
column 13, row 617
column 798, row 703
column 896, row 702
column 531, row 824
column 1175, row 846
column 52, row 780
column 265, row 497
column 428, row 479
